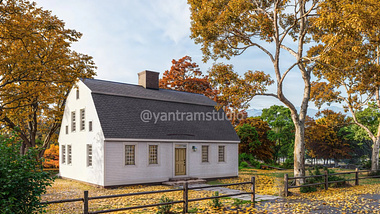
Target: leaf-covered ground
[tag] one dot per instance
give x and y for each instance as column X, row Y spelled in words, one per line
column 355, row 199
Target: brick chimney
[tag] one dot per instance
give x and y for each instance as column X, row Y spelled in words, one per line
column 149, row 79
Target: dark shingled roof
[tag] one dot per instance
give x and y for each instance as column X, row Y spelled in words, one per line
column 119, row 108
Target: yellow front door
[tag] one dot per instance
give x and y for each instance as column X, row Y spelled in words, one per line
column 180, row 161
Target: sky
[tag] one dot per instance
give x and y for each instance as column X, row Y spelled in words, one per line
column 126, row 37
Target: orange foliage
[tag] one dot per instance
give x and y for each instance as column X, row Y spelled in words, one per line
column 322, row 136
column 51, row 157
column 185, row 75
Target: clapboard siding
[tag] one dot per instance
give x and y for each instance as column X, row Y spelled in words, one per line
column 117, row 173
column 214, row 168
column 79, row 139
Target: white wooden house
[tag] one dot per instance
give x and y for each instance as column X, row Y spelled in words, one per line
column 108, row 137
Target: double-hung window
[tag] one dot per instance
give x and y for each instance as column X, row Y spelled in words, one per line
column 129, row 154
column 82, row 119
column 73, row 122
column 221, row 154
column 204, row 154
column 63, row 154
column 89, row 155
column 153, row 153
column 68, row 154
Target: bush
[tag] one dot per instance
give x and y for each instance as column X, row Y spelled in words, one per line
column 165, row 209
column 306, row 189
column 216, row 203
column 321, row 179
column 22, row 179
column 243, row 164
column 288, row 164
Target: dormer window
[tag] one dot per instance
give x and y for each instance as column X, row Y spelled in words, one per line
column 77, row 93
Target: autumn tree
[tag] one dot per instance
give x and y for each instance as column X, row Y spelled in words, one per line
column 324, row 138
column 233, row 91
column 282, row 130
column 253, row 133
column 348, row 35
column 185, row 75
column 51, row 157
column 37, row 70
column 229, row 28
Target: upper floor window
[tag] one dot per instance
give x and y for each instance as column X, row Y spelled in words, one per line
column 221, row 154
column 204, row 153
column 153, row 152
column 77, row 93
column 90, row 126
column 82, row 119
column 73, row 122
column 67, row 129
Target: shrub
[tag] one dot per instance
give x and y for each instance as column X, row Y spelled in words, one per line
column 321, row 179
column 288, row 164
column 243, row 164
column 22, row 179
column 165, row 209
column 216, row 203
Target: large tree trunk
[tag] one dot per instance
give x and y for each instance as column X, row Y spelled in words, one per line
column 375, row 154
column 299, row 152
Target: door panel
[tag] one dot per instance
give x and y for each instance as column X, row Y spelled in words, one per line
column 180, row 161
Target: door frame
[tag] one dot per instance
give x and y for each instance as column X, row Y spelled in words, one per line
column 183, row 146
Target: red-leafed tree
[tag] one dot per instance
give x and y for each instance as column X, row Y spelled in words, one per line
column 185, row 75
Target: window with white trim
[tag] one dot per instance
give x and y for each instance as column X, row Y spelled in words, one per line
column 67, row 129
column 73, row 122
column 82, row 119
column 129, row 154
column 153, row 153
column 89, row 155
column 204, row 154
column 90, row 126
column 63, row 154
column 68, row 154
column 221, row 153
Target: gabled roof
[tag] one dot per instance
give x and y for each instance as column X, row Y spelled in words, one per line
column 119, row 107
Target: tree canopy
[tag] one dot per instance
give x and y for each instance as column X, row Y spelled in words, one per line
column 282, row 130
column 228, row 28
column 324, row 138
column 253, row 133
column 37, row 70
column 348, row 35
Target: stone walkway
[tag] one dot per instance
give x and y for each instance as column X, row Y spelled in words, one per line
column 224, row 191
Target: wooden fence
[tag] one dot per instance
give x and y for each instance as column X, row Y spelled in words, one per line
column 326, row 181
column 185, row 200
